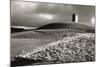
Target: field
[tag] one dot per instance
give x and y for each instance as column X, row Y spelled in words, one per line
column 26, row 41
column 51, row 47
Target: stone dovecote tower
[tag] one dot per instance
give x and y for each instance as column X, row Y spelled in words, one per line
column 74, row 18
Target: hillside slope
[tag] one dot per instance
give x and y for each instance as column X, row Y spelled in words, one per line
column 79, row 48
column 74, row 26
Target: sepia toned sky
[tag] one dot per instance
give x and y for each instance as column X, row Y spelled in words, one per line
column 24, row 13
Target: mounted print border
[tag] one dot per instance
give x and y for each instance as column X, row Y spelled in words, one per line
column 51, row 33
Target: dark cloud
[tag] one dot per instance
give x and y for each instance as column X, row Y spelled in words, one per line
column 30, row 13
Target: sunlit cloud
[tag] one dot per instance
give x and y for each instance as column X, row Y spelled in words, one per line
column 51, row 5
column 46, row 16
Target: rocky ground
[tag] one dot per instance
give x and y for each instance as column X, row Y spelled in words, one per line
column 77, row 48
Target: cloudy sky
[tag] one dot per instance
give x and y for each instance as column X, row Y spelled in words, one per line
column 24, row 13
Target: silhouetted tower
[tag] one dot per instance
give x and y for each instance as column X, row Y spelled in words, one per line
column 74, row 18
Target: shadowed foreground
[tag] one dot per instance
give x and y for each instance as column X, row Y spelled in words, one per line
column 79, row 48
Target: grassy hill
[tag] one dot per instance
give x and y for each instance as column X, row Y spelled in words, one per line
column 74, row 26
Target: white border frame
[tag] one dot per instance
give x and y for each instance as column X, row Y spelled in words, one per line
column 5, row 33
